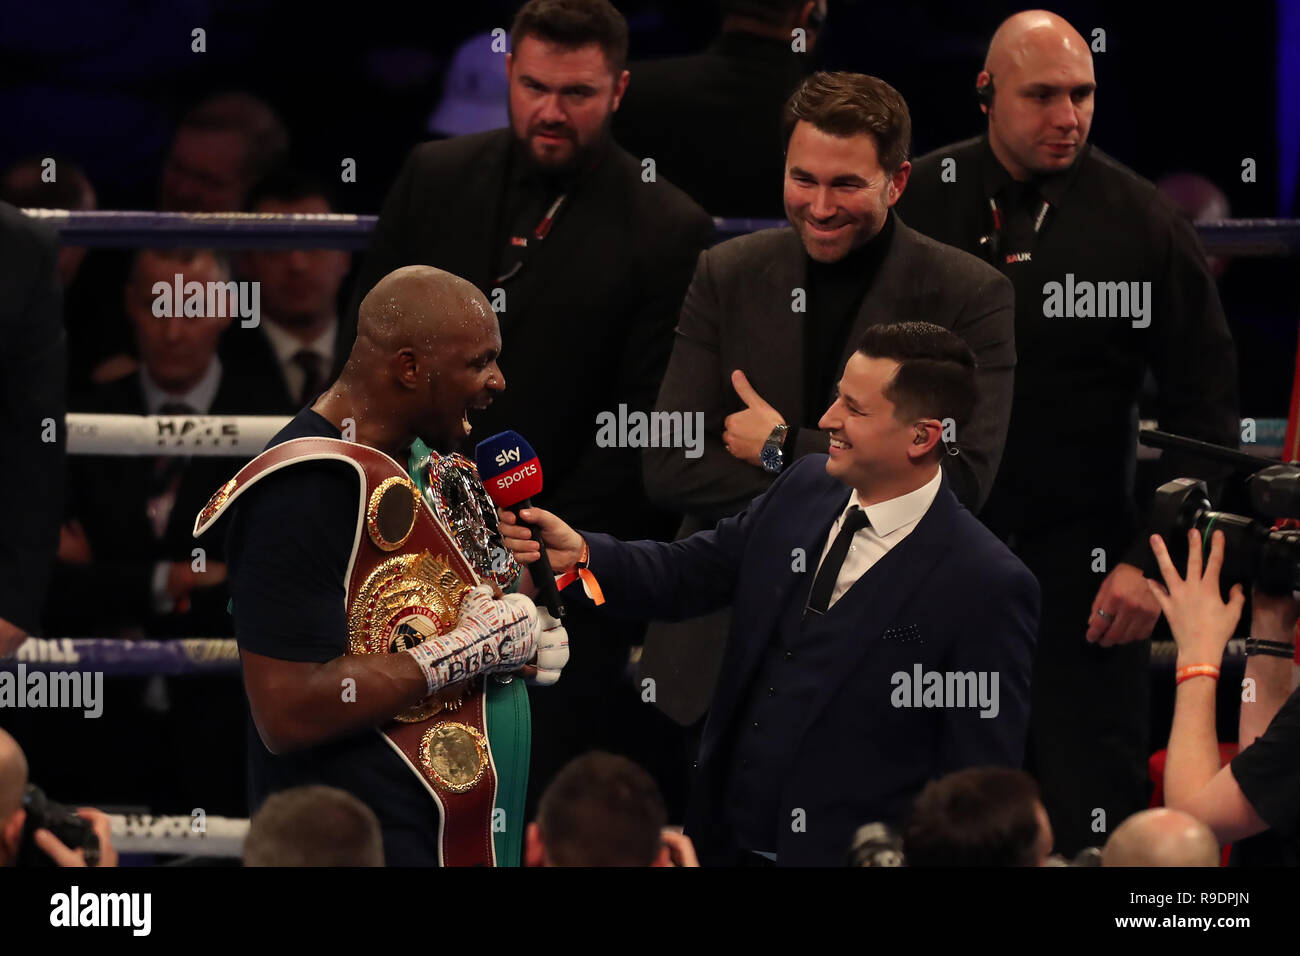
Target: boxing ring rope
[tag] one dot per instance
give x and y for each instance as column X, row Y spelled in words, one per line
column 264, row 230
column 244, row 436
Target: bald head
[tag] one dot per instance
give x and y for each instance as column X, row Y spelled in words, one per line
column 1161, row 837
column 1041, row 108
column 425, row 354
column 13, row 776
column 1031, row 35
column 416, row 305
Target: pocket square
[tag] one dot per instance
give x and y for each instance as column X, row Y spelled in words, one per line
column 904, row 634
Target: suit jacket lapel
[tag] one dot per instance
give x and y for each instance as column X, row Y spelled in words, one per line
column 774, row 353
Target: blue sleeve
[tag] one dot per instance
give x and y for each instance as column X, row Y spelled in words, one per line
column 673, row 581
column 290, row 541
column 997, row 639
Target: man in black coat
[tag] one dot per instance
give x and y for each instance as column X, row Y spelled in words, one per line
column 585, row 257
column 694, row 115
column 32, row 382
column 1110, row 282
column 771, row 317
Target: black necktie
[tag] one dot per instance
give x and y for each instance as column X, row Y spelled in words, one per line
column 823, row 586
column 313, row 375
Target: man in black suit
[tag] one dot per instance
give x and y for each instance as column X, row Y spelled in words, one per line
column 128, row 566
column 32, row 381
column 1055, row 213
column 585, row 261
column 299, row 346
column 882, row 637
column 693, row 115
column 771, row 317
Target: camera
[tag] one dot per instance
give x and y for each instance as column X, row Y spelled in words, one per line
column 73, row 831
column 1255, row 553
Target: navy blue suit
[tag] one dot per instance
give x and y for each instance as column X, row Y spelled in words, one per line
column 950, row 597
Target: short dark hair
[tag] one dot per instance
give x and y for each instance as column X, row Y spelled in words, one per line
column 572, row 24
column 936, row 370
column 314, row 826
column 289, row 183
column 984, row 816
column 848, row 104
column 601, row 810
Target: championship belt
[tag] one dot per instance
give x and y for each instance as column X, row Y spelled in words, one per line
column 405, row 583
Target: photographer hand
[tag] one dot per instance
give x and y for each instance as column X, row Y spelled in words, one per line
column 1201, row 623
column 62, row 856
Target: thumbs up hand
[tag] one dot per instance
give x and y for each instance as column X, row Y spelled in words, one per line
column 745, row 431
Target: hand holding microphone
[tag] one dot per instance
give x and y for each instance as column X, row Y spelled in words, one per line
column 563, row 545
column 511, row 475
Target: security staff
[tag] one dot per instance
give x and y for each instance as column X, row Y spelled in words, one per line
column 1109, row 281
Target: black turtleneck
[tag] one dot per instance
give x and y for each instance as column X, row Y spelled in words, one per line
column 835, row 293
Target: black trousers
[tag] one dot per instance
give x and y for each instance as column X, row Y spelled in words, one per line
column 1089, row 705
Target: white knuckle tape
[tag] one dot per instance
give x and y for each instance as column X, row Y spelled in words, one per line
column 552, row 655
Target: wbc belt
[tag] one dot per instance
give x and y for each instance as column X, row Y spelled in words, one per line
column 405, row 581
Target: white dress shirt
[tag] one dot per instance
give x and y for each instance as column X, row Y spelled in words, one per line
column 286, row 345
column 891, row 522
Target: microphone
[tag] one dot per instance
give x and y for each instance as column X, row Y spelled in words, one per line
column 511, row 475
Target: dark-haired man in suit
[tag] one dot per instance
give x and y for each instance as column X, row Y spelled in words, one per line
column 770, row 319
column 881, row 636
column 300, row 345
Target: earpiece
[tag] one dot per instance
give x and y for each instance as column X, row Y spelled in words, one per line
column 984, row 92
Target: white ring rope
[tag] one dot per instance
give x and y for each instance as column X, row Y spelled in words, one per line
column 207, row 435
column 146, row 833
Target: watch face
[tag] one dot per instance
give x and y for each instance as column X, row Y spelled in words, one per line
column 771, row 459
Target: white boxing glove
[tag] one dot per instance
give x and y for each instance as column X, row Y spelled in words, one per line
column 552, row 648
column 492, row 634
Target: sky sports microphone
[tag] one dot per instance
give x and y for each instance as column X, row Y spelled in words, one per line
column 512, row 474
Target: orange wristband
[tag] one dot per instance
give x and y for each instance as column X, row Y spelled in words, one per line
column 1195, row 670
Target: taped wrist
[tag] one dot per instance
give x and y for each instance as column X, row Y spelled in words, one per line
column 492, row 635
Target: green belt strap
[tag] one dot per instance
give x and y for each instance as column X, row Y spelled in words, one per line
column 509, row 730
column 510, row 734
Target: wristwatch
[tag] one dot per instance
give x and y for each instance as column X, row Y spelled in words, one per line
column 772, row 457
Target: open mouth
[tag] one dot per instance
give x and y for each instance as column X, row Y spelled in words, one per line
column 477, row 406
column 838, row 444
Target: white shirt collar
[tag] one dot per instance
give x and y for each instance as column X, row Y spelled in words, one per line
column 888, row 516
column 286, row 345
column 199, row 398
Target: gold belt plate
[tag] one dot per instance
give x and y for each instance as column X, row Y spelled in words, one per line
column 403, row 602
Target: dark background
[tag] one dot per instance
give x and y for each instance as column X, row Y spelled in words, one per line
column 1180, row 88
